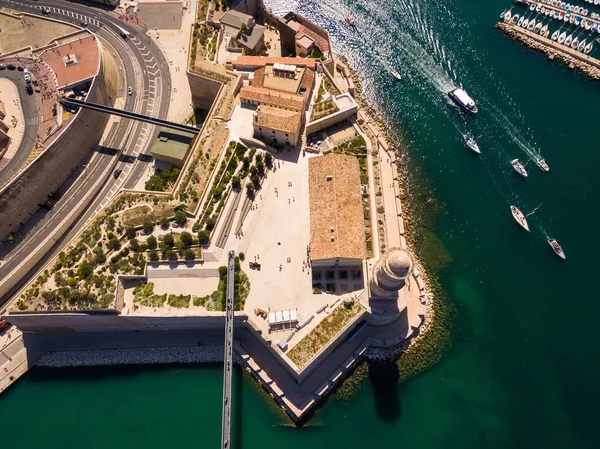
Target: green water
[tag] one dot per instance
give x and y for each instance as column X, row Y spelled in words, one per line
column 523, row 370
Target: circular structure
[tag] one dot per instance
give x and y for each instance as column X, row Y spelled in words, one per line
column 390, row 273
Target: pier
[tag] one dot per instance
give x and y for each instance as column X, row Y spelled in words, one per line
column 228, row 358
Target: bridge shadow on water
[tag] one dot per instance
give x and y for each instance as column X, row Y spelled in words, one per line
column 237, row 415
column 384, row 377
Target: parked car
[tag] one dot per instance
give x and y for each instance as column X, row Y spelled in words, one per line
column 117, row 173
column 27, row 78
column 10, row 67
column 45, row 10
column 2, row 66
column 20, row 68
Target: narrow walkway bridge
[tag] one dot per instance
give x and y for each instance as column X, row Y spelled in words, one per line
column 128, row 114
column 228, row 359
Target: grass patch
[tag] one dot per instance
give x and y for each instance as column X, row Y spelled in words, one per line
column 144, row 294
column 179, row 300
column 323, row 109
column 321, row 335
column 317, row 54
column 136, row 216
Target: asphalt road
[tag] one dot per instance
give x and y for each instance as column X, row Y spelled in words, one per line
column 29, row 108
column 228, row 358
column 146, row 70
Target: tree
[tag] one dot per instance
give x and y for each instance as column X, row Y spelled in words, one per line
column 134, row 244
column 155, row 183
column 130, row 232
column 186, row 238
column 269, row 160
column 164, row 222
column 180, row 218
column 151, row 242
column 210, row 223
column 153, row 256
column 189, row 254
column 148, row 225
column 242, row 257
column 203, row 237
column 244, row 28
column 222, row 271
column 235, row 182
column 169, row 239
column 256, row 181
column 85, row 270
column 113, row 244
column 172, row 255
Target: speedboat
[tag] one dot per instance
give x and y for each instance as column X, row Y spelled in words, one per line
column 581, row 45
column 562, row 37
column 588, row 48
column 519, row 217
column 542, row 164
column 471, row 144
column 555, row 35
column 569, row 40
column 557, row 249
column 462, row 99
column 519, row 167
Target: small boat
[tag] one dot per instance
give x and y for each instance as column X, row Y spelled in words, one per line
column 569, row 40
column 537, row 8
column 571, row 19
column 531, row 25
column 525, row 23
column 566, row 17
column 594, row 27
column 596, row 2
column 588, row 48
column 503, row 14
column 521, row 20
column 581, row 45
column 519, row 167
column 471, row 144
column 568, row 6
column 562, row 37
column 519, row 217
column 542, row 164
column 507, row 17
column 561, row 15
column 515, row 18
column 588, row 25
column 555, row 35
column 462, row 99
column 395, row 74
column 532, row 7
column 557, row 249
column 538, row 27
column 585, row 12
column 545, row 33
column 350, row 21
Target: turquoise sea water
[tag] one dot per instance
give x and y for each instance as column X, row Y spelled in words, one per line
column 525, row 371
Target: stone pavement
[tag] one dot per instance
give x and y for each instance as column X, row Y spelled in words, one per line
column 14, row 118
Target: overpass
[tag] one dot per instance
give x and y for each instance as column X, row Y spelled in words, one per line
column 128, row 114
column 228, row 359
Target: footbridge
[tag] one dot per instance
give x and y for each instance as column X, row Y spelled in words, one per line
column 128, row 114
column 228, row 359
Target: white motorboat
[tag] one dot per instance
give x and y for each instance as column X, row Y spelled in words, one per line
column 515, row 18
column 537, row 8
column 519, row 167
column 519, row 217
column 532, row 7
column 562, row 37
column 395, row 74
column 525, row 23
column 588, row 48
column 538, row 27
column 588, row 25
column 568, row 40
column 542, row 164
column 575, row 43
column 520, row 22
column 462, row 99
column 571, row 19
column 471, row 144
column 555, row 35
column 557, row 249
column 594, row 27
column 581, row 45
column 531, row 25
column 507, row 17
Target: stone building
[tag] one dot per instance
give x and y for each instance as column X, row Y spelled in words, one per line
column 390, row 274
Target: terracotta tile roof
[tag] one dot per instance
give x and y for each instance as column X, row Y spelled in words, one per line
column 335, row 204
column 278, row 119
column 261, row 61
column 272, row 97
column 308, row 79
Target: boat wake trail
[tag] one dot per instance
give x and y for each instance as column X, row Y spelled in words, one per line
column 514, row 133
column 534, row 210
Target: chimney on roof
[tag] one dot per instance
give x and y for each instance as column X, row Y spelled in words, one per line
column 329, row 177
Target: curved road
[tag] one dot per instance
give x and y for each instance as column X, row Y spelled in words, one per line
column 146, row 71
column 29, row 108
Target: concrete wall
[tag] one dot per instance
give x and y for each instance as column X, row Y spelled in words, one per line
column 20, row 199
column 336, row 117
column 204, row 90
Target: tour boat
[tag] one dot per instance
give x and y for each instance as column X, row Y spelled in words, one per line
column 557, row 249
column 519, row 217
column 555, row 35
column 519, row 167
column 461, row 98
column 542, row 164
column 581, row 45
column 531, row 25
column 471, row 144
column 569, row 40
column 588, row 48
column 562, row 37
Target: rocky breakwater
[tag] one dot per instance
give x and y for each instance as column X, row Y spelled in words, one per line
column 132, row 356
column 584, row 63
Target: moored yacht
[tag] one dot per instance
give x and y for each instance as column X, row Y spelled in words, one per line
column 507, row 17
column 562, row 37
column 568, row 40
column 557, row 249
column 538, row 27
column 588, row 48
column 575, row 43
column 555, row 35
column 519, row 167
column 519, row 217
column 462, row 99
column 581, row 45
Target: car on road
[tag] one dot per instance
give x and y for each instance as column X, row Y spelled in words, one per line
column 45, row 10
column 20, row 68
column 27, row 78
column 2, row 66
column 10, row 67
column 117, row 173
column 129, row 91
column 83, row 23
